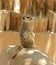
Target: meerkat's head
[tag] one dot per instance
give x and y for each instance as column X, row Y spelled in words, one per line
column 28, row 23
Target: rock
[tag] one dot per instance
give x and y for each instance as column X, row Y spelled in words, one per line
column 8, row 54
column 31, row 56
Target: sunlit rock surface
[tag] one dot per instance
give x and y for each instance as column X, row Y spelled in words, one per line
column 16, row 55
column 31, row 56
column 9, row 53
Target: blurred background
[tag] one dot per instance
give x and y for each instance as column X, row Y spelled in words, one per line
column 11, row 12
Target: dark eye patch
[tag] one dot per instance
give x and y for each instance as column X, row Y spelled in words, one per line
column 24, row 18
column 28, row 17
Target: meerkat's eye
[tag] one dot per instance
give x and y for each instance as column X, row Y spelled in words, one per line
column 24, row 18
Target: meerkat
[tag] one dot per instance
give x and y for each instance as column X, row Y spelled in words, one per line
column 26, row 31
